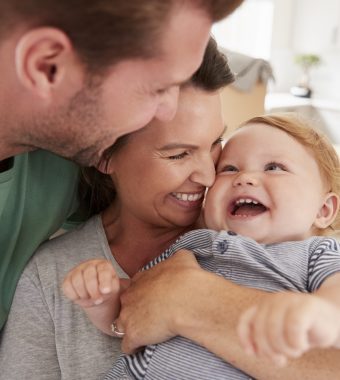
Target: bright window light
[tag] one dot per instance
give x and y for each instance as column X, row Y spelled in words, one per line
column 248, row 30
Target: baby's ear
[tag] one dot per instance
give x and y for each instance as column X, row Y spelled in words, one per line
column 328, row 211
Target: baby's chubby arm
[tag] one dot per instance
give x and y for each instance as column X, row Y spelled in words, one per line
column 288, row 324
column 96, row 288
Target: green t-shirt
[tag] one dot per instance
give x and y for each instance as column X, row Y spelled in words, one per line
column 37, row 194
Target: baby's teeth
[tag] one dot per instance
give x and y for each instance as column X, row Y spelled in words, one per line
column 247, row 200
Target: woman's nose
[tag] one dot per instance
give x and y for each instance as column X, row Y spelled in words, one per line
column 245, row 179
column 205, row 173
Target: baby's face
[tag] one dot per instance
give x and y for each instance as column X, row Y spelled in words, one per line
column 268, row 187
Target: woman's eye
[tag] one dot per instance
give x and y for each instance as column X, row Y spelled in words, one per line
column 217, row 142
column 179, row 156
column 161, row 91
column 273, row 166
column 228, row 168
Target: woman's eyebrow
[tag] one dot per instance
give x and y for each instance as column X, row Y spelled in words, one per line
column 177, row 146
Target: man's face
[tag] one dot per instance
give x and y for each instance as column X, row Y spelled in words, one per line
column 131, row 94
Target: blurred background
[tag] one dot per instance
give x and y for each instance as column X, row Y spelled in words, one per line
column 280, row 49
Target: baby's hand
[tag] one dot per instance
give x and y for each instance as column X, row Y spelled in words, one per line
column 287, row 324
column 91, row 283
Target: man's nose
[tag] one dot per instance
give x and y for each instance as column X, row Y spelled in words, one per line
column 168, row 105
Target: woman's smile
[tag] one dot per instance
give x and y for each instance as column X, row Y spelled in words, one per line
column 189, row 200
column 161, row 173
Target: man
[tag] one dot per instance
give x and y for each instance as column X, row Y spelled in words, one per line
column 76, row 75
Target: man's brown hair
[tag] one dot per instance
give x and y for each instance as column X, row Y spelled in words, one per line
column 104, row 32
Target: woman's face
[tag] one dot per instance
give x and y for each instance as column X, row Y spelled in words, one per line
column 162, row 172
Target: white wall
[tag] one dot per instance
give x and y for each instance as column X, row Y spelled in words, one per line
column 307, row 26
column 277, row 30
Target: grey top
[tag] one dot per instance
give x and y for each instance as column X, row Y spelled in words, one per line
column 299, row 266
column 46, row 335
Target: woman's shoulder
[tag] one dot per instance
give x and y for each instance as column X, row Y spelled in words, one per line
column 57, row 256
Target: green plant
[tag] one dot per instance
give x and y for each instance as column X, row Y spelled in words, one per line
column 307, row 60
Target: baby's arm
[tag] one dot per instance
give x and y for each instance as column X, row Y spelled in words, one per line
column 95, row 287
column 329, row 291
column 287, row 324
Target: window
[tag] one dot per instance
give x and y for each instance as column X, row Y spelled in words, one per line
column 248, row 30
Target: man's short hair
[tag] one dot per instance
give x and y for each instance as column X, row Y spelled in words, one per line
column 104, row 32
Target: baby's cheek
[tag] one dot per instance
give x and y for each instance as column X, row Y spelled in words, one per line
column 216, row 155
column 213, row 210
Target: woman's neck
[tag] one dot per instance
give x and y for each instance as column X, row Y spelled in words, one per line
column 134, row 243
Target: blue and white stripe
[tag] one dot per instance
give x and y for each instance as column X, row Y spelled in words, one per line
column 300, row 266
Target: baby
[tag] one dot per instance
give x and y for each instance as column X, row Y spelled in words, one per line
column 274, row 201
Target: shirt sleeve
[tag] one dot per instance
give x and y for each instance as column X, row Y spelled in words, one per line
column 199, row 241
column 27, row 347
column 324, row 261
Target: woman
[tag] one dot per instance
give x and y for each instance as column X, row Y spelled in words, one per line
column 46, row 337
column 159, row 176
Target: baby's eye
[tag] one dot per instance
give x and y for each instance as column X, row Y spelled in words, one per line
column 274, row 166
column 228, row 168
column 179, row 156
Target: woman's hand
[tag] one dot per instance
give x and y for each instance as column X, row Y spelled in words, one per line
column 286, row 325
column 92, row 283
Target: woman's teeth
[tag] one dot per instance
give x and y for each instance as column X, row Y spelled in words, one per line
column 187, row 197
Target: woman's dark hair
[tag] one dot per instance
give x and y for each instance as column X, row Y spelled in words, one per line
column 96, row 190
column 214, row 72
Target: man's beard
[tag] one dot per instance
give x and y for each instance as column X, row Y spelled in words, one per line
column 72, row 131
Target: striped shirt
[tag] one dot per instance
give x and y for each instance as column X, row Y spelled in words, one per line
column 299, row 266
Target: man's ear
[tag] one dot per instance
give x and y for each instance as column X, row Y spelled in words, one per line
column 42, row 57
column 328, row 211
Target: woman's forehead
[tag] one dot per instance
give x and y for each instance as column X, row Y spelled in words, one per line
column 196, row 108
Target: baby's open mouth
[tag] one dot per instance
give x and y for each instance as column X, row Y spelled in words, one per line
column 247, row 207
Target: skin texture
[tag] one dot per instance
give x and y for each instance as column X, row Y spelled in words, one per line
column 287, row 324
column 183, row 151
column 95, row 287
column 60, row 108
column 162, row 303
column 144, row 302
column 284, row 177
column 249, row 168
